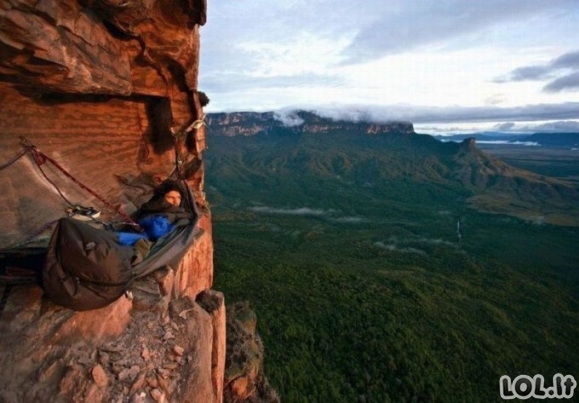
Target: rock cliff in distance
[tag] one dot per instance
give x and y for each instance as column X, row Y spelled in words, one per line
column 365, row 151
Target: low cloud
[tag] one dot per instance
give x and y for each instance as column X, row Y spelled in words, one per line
column 436, row 242
column 560, row 126
column 395, row 245
column 303, row 211
column 504, row 126
column 311, row 212
column 557, row 127
column 562, row 117
column 288, row 118
column 451, row 114
column 395, row 248
column 351, row 220
column 518, row 143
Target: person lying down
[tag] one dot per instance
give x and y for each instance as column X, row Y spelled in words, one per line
column 157, row 217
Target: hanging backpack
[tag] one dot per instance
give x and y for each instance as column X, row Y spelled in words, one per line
column 85, row 268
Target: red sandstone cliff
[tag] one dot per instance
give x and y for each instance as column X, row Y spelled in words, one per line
column 108, row 89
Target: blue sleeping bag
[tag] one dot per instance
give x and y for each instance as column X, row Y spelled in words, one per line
column 154, row 227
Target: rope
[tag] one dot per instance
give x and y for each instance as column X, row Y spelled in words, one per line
column 35, row 234
column 40, row 158
column 51, row 182
column 13, row 159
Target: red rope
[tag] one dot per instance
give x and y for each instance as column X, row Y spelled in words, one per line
column 40, row 158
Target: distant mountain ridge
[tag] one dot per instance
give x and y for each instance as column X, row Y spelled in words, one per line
column 564, row 140
column 570, row 140
column 251, row 123
column 259, row 148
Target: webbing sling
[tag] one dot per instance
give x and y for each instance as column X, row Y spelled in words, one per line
column 182, row 135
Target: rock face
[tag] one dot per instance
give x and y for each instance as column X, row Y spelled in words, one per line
column 108, row 89
column 102, row 46
column 145, row 349
column 244, row 377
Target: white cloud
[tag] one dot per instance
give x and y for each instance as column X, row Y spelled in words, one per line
column 569, row 82
column 423, row 22
column 351, row 220
column 563, row 73
column 504, row 126
column 565, row 126
column 288, row 118
column 304, row 211
column 451, row 114
column 395, row 248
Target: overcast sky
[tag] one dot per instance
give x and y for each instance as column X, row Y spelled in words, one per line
column 442, row 65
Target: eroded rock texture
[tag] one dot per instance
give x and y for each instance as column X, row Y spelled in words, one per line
column 106, row 88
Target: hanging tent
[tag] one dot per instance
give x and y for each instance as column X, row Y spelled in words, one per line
column 85, row 267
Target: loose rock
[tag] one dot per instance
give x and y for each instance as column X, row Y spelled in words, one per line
column 99, row 376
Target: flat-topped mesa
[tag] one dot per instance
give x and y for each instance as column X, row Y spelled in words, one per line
column 390, row 127
column 251, row 123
